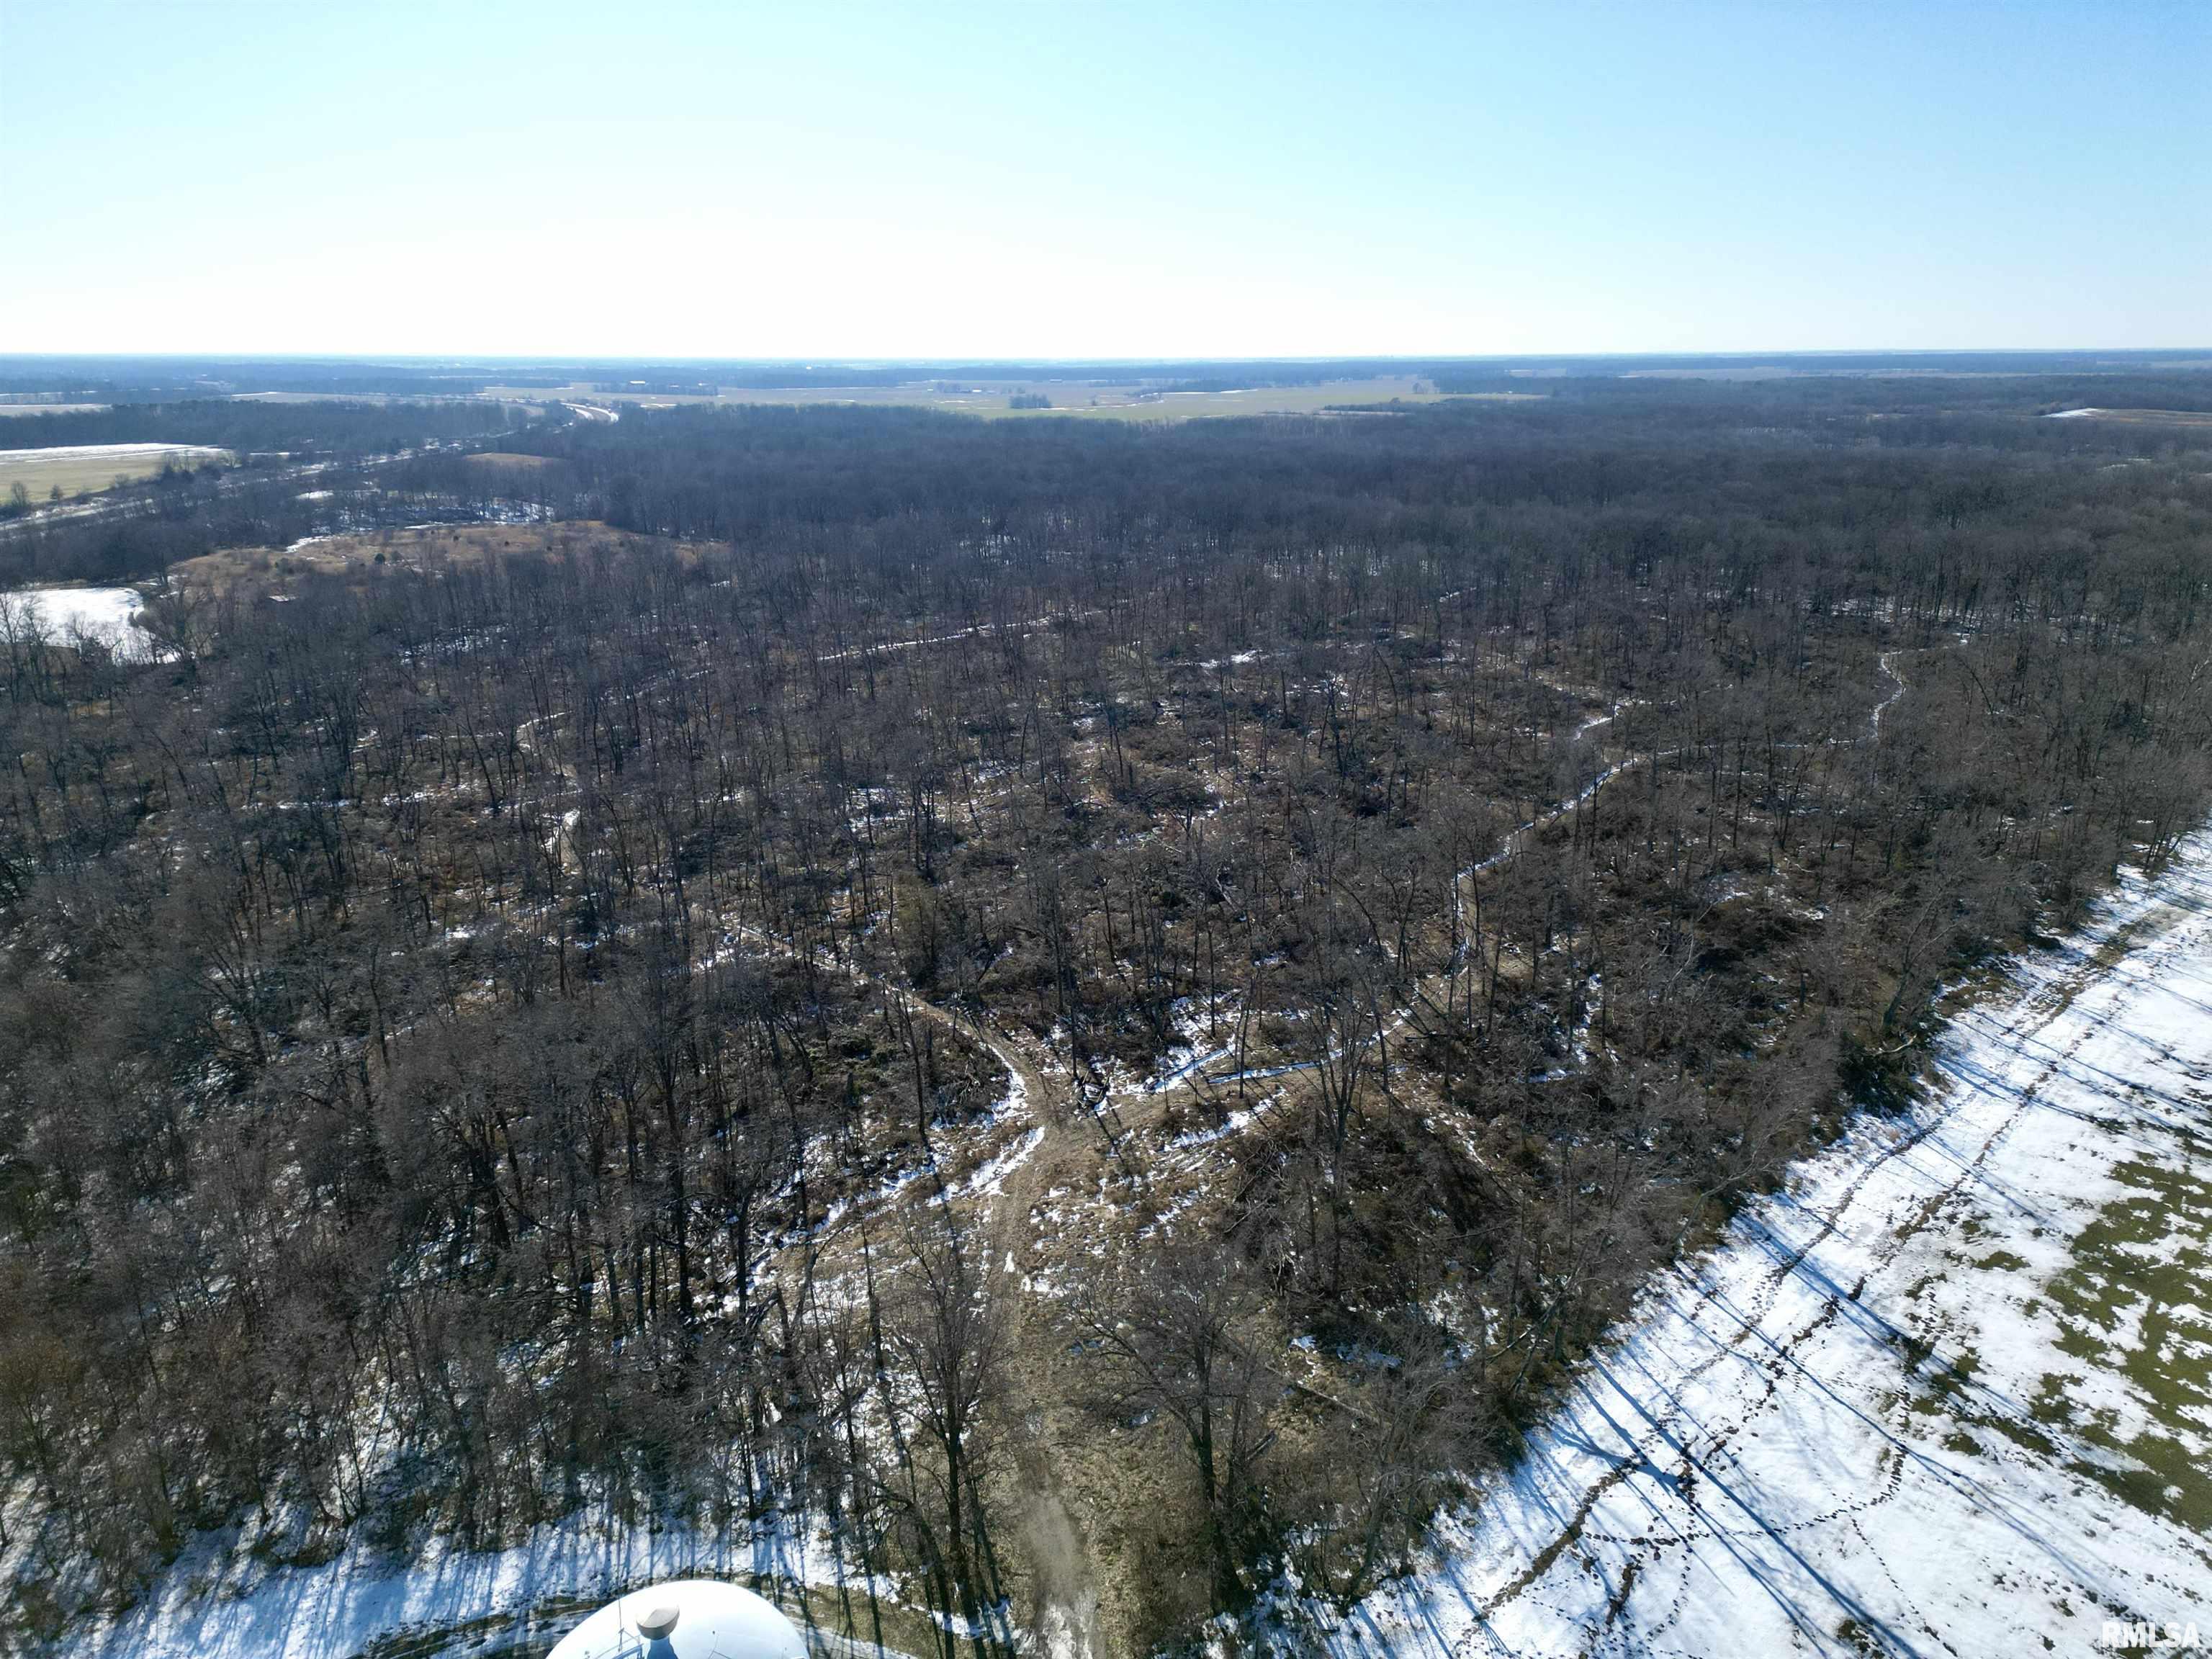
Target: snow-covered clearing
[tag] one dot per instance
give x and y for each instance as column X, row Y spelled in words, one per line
column 1946, row 1392
column 104, row 612
column 61, row 454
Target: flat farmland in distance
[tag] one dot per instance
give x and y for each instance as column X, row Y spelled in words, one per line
column 501, row 460
column 81, row 468
column 994, row 398
column 2141, row 416
column 582, row 392
column 2158, row 417
column 52, row 409
column 1103, row 401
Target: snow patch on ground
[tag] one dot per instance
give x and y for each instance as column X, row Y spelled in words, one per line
column 990, row 1177
column 105, row 612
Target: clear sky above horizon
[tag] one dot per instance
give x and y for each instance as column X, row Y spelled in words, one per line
column 994, row 181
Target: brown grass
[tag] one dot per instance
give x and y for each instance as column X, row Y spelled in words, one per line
column 78, row 470
column 429, row 547
column 499, row 460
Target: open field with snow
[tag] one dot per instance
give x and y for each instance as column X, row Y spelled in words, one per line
column 991, row 399
column 1946, row 1392
column 103, row 612
column 2137, row 417
column 80, row 469
column 1113, row 402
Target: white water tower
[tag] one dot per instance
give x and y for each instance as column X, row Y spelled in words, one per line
column 685, row 1618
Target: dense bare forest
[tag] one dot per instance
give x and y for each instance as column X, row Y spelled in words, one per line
column 1096, row 1012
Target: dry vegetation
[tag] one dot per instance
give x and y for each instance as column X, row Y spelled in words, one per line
column 251, row 572
column 499, row 460
column 79, row 470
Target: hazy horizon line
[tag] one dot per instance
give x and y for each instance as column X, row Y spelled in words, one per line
column 1078, row 360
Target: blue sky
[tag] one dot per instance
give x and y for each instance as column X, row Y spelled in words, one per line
column 1091, row 181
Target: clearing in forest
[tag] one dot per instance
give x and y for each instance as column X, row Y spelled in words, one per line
column 1129, row 401
column 81, row 468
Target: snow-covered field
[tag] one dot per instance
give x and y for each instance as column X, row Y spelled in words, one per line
column 105, row 611
column 1950, row 1393
column 103, row 452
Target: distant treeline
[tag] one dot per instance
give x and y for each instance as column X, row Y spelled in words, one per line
column 1797, row 397
column 315, row 429
column 453, row 1021
column 727, row 473
column 159, row 380
column 723, row 473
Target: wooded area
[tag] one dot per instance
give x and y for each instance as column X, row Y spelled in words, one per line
column 1098, row 1010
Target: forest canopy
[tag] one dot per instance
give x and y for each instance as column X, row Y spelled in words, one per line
column 908, row 972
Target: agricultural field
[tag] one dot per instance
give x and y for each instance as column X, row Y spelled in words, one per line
column 499, row 460
column 584, row 391
column 995, row 399
column 2139, row 416
column 85, row 469
column 1108, row 402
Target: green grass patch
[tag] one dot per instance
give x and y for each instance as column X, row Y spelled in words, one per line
column 2134, row 1301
